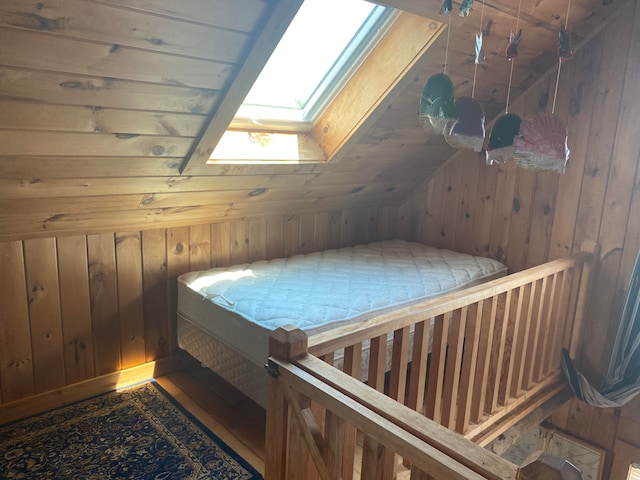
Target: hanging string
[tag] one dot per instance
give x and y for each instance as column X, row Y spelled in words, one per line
column 446, row 50
column 555, row 94
column 513, row 60
column 475, row 70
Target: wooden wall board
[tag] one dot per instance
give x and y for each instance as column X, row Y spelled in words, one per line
column 104, row 302
column 274, row 237
column 624, row 455
column 452, row 198
column 178, row 262
column 154, row 278
column 257, row 239
column 130, row 304
column 544, row 203
column 239, row 242
column 75, row 305
column 45, row 322
column 505, row 186
column 221, row 245
column 199, row 247
column 16, row 361
column 290, row 235
column 466, row 203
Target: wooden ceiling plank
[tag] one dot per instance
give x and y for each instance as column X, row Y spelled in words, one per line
column 114, row 25
column 57, row 54
column 94, row 91
column 239, row 84
column 14, row 142
column 13, row 208
column 240, row 15
column 73, row 167
column 38, row 226
column 30, row 187
column 61, row 118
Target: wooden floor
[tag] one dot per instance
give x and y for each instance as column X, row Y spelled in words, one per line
column 236, row 419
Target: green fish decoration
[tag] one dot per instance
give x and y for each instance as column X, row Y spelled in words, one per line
column 465, row 7
column 437, row 104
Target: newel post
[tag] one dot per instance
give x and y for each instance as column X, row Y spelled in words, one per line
column 287, row 343
column 545, row 466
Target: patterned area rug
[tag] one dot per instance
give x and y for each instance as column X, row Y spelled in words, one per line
column 138, row 433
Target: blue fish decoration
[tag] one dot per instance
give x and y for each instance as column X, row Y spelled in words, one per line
column 447, row 6
column 480, row 58
column 465, row 7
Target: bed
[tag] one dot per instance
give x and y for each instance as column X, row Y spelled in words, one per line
column 225, row 315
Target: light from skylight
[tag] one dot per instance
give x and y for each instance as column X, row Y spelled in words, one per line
column 320, row 40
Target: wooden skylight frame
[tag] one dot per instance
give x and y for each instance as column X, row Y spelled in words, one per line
column 380, row 78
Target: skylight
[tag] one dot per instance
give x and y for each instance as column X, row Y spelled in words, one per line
column 319, row 51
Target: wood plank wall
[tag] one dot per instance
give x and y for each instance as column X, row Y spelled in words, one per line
column 524, row 218
column 76, row 307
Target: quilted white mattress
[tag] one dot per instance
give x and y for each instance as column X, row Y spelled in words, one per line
column 240, row 305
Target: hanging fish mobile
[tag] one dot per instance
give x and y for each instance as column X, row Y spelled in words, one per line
column 500, row 146
column 447, row 7
column 468, row 131
column 437, row 104
column 564, row 48
column 465, row 7
column 480, row 58
column 512, row 48
column 542, row 143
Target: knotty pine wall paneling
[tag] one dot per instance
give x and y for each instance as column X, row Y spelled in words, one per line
column 525, row 217
column 76, row 307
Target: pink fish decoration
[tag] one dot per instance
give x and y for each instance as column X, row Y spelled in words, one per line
column 542, row 143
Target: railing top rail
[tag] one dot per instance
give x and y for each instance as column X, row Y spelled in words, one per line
column 381, row 323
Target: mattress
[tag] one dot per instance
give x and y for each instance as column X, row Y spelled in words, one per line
column 239, row 306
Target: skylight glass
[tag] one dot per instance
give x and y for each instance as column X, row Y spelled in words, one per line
column 321, row 47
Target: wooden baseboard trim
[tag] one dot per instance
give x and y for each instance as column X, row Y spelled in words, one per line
column 42, row 402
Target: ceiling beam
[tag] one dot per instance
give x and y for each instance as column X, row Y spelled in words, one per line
column 278, row 19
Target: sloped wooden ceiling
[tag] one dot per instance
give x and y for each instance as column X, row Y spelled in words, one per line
column 102, row 102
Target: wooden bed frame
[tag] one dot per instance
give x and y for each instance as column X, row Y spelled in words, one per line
column 494, row 358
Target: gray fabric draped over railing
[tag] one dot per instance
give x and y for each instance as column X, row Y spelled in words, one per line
column 622, row 380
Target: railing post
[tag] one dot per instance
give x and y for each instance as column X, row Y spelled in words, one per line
column 285, row 343
column 545, row 466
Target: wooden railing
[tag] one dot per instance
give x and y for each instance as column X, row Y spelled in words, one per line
column 469, row 359
column 324, row 424
column 472, row 362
